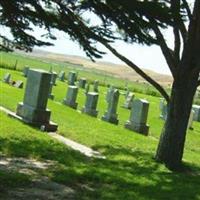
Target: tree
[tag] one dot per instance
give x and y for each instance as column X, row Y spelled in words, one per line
column 136, row 21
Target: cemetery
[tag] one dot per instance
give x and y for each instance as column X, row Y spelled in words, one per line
column 99, row 121
column 100, row 100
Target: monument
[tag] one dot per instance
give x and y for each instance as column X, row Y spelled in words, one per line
column 33, row 108
column 111, row 113
column 138, row 117
column 91, row 104
column 71, row 96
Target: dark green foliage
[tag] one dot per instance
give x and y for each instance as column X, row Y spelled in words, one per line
column 131, row 17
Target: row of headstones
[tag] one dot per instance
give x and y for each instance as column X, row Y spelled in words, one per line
column 139, row 108
column 194, row 114
column 7, row 79
column 33, row 108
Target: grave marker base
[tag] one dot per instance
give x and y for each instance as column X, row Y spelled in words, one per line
column 48, row 127
column 70, row 104
column 90, row 112
column 112, row 120
column 139, row 128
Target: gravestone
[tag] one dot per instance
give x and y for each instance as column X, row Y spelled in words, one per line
column 96, row 85
column 196, row 109
column 82, row 83
column 127, row 93
column 71, row 78
column 163, row 109
column 53, row 77
column 51, row 69
column 51, row 96
column 87, row 89
column 7, row 78
column 111, row 113
column 33, row 108
column 138, row 117
column 129, row 100
column 91, row 104
column 71, row 96
column 61, row 76
column 19, row 84
column 25, row 71
column 109, row 93
column 190, row 121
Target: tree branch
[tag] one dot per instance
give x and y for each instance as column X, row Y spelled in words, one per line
column 167, row 52
column 136, row 69
column 175, row 7
column 187, row 8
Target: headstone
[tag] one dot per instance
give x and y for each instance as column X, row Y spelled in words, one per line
column 19, row 84
column 72, row 78
column 25, row 71
column 109, row 93
column 71, row 96
column 91, row 104
column 96, row 85
column 138, row 117
column 51, row 95
column 196, row 109
column 82, row 83
column 33, row 108
column 53, row 77
column 87, row 89
column 190, row 121
column 61, row 76
column 127, row 93
column 111, row 113
column 7, row 78
column 163, row 109
column 129, row 100
column 51, row 69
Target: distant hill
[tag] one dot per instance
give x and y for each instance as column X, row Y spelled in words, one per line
column 117, row 70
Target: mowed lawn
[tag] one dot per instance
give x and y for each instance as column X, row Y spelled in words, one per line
column 129, row 170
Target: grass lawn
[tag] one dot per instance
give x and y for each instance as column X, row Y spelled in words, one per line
column 128, row 172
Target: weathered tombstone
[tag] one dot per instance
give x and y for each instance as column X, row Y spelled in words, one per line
column 127, row 93
column 71, row 78
column 71, row 96
column 91, row 104
column 53, row 77
column 7, row 78
column 196, row 109
column 25, row 71
column 190, row 121
column 19, row 84
column 33, row 108
column 51, row 69
column 109, row 93
column 82, row 83
column 96, row 85
column 129, row 100
column 51, row 95
column 61, row 76
column 163, row 109
column 111, row 113
column 87, row 89
column 138, row 117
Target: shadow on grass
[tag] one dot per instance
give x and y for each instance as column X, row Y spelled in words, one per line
column 125, row 174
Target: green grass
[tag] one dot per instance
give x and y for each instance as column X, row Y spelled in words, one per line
column 129, row 172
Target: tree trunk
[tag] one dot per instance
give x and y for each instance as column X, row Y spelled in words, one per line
column 172, row 140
